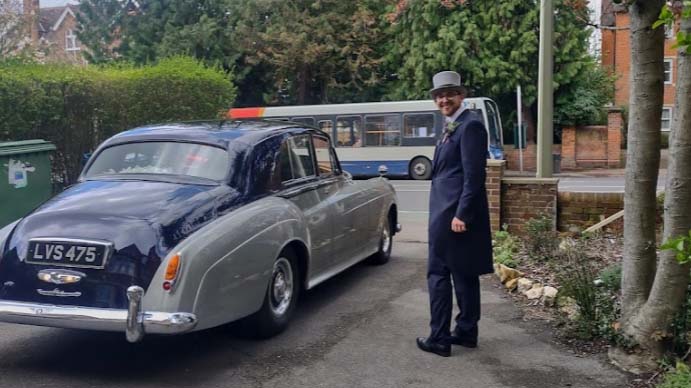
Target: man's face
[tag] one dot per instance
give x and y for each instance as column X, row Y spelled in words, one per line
column 448, row 101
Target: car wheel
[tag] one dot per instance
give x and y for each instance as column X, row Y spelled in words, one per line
column 280, row 298
column 420, row 168
column 385, row 245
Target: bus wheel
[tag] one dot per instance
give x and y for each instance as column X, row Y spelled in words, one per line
column 420, row 168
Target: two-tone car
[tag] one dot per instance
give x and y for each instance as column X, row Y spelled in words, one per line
column 182, row 227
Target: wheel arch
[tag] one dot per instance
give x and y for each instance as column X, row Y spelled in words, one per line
column 299, row 248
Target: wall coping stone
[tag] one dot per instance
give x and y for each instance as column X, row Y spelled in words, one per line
column 530, row 181
column 495, row 163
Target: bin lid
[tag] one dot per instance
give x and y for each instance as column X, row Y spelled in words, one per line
column 25, row 146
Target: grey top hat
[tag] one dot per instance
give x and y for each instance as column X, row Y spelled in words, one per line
column 446, row 80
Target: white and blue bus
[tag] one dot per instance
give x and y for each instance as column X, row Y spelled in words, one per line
column 398, row 134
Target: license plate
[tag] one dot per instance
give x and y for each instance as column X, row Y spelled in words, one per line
column 68, row 253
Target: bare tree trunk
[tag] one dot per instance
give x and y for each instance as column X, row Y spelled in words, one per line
column 643, row 154
column 650, row 311
column 303, row 79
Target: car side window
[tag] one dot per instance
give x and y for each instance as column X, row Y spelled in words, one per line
column 325, row 161
column 293, row 161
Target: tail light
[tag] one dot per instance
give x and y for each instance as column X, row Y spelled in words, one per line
column 172, row 270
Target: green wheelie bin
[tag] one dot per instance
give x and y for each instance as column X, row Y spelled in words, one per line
column 25, row 177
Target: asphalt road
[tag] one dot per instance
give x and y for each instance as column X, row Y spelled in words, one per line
column 356, row 330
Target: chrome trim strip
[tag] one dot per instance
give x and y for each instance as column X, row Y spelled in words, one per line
column 107, row 245
column 73, row 317
column 58, row 292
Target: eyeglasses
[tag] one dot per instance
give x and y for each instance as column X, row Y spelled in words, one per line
column 448, row 95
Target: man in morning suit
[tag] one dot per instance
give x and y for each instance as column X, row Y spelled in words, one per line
column 460, row 241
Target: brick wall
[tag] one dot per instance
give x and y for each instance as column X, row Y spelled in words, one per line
column 526, row 198
column 495, row 173
column 512, row 156
column 615, row 124
column 577, row 211
column 593, row 146
column 616, row 55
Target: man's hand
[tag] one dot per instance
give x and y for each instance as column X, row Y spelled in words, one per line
column 457, row 225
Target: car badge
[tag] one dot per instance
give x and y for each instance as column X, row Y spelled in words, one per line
column 60, row 276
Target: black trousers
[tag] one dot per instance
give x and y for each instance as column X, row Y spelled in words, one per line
column 467, row 290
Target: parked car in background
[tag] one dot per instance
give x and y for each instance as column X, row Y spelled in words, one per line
column 182, row 227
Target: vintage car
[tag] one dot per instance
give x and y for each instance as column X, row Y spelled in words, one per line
column 183, row 227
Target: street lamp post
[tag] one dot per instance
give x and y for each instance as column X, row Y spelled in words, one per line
column 545, row 94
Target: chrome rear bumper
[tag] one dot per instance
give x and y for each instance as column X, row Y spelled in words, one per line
column 134, row 322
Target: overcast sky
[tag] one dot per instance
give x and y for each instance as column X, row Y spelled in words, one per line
column 55, row 3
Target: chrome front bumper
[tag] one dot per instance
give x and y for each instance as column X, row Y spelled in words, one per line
column 134, row 322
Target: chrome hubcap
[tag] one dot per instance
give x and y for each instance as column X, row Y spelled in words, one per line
column 281, row 286
column 386, row 238
column 420, row 169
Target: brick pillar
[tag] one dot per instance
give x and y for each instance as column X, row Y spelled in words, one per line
column 615, row 122
column 568, row 148
column 495, row 173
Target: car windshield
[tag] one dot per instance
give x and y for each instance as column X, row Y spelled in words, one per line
column 161, row 158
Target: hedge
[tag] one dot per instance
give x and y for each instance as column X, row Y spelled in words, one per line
column 77, row 108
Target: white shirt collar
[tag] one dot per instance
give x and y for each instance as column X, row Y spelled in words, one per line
column 453, row 117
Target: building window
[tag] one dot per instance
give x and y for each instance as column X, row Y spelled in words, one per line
column 668, row 71
column 71, row 41
column 666, row 119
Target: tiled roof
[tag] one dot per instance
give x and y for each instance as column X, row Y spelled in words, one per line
column 50, row 15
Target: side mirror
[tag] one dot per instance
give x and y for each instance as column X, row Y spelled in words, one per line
column 383, row 170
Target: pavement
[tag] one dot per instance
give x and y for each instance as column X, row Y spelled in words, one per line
column 513, row 352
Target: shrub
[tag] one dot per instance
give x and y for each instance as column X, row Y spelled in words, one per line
column 598, row 307
column 505, row 248
column 76, row 108
column 541, row 240
column 681, row 327
column 611, row 277
column 679, row 378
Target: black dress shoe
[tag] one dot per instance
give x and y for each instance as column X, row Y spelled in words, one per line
column 437, row 348
column 463, row 340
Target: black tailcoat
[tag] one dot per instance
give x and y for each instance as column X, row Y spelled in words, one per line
column 458, row 190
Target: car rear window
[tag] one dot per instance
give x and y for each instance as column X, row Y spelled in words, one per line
column 161, row 158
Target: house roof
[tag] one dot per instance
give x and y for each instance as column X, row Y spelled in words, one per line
column 50, row 18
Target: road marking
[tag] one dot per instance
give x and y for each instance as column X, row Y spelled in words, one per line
column 414, row 211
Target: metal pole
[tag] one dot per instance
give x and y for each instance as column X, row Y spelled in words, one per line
column 545, row 96
column 519, row 107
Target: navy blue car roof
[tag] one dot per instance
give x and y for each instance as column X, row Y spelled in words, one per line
column 218, row 133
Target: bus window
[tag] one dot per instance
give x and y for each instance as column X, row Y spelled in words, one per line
column 325, row 165
column 348, row 131
column 304, row 120
column 384, row 130
column 418, row 125
column 326, row 126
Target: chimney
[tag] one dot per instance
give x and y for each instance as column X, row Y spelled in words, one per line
column 31, row 12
